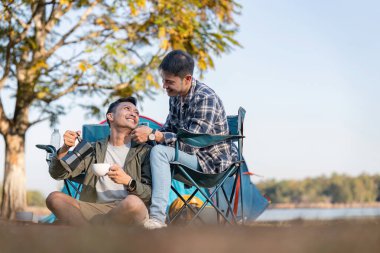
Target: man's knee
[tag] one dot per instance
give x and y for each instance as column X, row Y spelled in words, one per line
column 132, row 204
column 52, row 199
column 57, row 200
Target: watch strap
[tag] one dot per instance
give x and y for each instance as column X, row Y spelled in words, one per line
column 131, row 185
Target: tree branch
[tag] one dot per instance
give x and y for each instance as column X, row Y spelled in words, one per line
column 24, row 33
column 124, row 85
column 61, row 62
column 72, row 30
column 55, row 15
column 75, row 86
column 80, row 39
column 39, row 23
column 37, row 121
column 24, row 25
column 7, row 66
column 4, row 121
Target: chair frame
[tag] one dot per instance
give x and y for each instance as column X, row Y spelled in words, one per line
column 182, row 174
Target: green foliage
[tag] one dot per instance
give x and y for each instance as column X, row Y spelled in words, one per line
column 35, row 198
column 50, row 49
column 335, row 189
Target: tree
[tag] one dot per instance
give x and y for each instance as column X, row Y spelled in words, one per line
column 61, row 48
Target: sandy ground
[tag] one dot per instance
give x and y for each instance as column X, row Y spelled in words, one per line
column 297, row 237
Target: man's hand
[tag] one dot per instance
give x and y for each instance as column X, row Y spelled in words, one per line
column 69, row 138
column 140, row 134
column 118, row 175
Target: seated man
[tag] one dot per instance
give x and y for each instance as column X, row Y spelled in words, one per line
column 195, row 107
column 122, row 195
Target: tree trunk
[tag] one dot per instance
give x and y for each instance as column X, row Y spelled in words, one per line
column 14, row 189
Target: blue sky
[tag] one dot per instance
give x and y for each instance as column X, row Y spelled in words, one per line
column 308, row 76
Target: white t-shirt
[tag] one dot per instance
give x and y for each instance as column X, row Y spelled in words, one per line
column 107, row 190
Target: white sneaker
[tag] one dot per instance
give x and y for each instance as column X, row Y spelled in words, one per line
column 151, row 224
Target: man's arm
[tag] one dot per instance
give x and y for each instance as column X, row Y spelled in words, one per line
column 69, row 138
column 60, row 170
column 206, row 118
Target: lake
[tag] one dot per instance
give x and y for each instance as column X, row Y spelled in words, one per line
column 318, row 213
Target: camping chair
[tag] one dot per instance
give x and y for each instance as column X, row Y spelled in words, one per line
column 214, row 183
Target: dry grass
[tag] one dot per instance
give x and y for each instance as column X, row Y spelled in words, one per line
column 296, row 237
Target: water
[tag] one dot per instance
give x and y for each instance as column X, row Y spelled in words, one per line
column 318, row 213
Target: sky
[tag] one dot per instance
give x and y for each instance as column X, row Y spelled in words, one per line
column 308, row 76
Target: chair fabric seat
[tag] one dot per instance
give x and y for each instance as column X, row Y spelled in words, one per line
column 204, row 180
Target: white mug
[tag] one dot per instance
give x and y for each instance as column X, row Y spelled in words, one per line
column 100, row 169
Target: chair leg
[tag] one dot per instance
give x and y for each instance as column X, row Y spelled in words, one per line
column 75, row 188
column 217, row 203
column 232, row 192
column 241, row 195
column 238, row 195
column 208, row 198
column 67, row 187
column 79, row 190
column 186, row 204
column 229, row 208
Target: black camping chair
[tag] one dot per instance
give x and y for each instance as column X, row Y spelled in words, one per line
column 210, row 186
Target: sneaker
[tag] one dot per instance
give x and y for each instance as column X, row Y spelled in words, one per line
column 154, row 224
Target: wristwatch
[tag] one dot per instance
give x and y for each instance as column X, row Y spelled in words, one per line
column 131, row 185
column 152, row 135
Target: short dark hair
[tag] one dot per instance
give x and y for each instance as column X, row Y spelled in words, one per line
column 178, row 63
column 113, row 105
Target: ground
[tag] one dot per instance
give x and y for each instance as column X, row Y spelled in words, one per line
column 296, row 237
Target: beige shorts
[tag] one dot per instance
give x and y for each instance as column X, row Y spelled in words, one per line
column 90, row 210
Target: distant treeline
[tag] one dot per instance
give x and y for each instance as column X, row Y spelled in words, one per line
column 33, row 198
column 338, row 188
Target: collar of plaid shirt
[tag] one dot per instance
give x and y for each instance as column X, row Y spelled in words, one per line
column 186, row 100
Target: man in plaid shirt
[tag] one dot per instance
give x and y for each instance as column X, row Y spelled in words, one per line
column 196, row 108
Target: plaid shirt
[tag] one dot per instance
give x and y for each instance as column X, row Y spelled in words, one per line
column 201, row 111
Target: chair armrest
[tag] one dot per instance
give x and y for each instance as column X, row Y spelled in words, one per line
column 199, row 140
column 48, row 148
